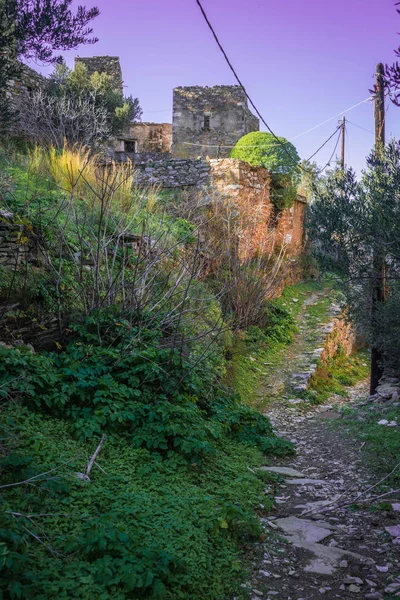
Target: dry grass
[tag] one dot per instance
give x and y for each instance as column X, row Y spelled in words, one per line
column 80, row 174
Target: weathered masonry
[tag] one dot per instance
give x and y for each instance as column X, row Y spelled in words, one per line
column 104, row 64
column 141, row 140
column 246, row 188
column 208, row 121
column 19, row 91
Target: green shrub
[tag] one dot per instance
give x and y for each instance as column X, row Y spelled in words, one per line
column 280, row 158
column 128, row 385
column 171, row 500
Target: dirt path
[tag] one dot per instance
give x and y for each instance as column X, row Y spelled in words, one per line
column 319, row 543
column 284, row 377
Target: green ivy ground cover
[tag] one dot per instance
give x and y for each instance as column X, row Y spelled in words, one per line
column 173, row 501
column 142, row 528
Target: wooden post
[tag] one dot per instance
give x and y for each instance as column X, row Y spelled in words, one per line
column 380, row 106
column 378, row 266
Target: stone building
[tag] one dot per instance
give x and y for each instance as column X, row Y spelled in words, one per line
column 208, row 121
column 144, row 139
column 19, row 92
column 104, row 64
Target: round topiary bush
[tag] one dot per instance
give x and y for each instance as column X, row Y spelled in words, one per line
column 281, row 159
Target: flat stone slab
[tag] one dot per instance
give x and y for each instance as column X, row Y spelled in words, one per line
column 318, row 503
column 306, row 481
column 304, row 530
column 283, row 471
column 327, row 558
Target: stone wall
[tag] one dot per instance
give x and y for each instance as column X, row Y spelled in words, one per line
column 104, row 64
column 26, row 81
column 264, row 228
column 172, row 173
column 333, row 336
column 340, row 335
column 208, row 121
column 18, row 252
column 245, row 188
column 19, row 91
column 17, row 244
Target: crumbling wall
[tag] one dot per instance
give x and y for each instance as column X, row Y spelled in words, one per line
column 248, row 188
column 150, row 137
column 19, row 92
column 104, row 64
column 340, row 335
column 142, row 141
column 208, row 121
column 17, row 244
column 172, row 173
column 19, row 255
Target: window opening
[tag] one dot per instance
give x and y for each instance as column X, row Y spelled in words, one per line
column 130, row 146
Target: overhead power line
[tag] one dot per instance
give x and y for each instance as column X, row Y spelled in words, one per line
column 291, row 139
column 334, row 117
column 360, row 127
column 324, row 144
column 332, row 155
column 253, row 146
column 269, row 146
column 244, row 89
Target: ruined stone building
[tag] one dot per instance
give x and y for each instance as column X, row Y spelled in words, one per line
column 144, row 139
column 104, row 64
column 208, row 121
column 19, row 92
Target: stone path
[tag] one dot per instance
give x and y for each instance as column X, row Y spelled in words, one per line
column 317, row 545
column 319, row 542
column 296, row 364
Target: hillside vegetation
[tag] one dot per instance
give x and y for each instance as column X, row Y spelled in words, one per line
column 132, row 336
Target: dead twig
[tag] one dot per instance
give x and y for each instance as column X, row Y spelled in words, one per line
column 334, row 503
column 85, row 476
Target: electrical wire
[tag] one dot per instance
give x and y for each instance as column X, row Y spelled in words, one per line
column 335, row 117
column 250, row 146
column 324, row 144
column 244, row 89
column 332, row 155
column 291, row 139
column 270, row 146
column 255, row 107
column 359, row 127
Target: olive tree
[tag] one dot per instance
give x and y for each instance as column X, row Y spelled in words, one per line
column 352, row 224
column 37, row 30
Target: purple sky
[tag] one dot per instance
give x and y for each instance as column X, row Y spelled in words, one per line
column 301, row 61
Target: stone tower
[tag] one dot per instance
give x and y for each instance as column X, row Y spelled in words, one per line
column 104, row 64
column 208, row 121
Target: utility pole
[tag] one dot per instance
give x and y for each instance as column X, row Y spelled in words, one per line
column 378, row 266
column 343, row 142
column 380, row 107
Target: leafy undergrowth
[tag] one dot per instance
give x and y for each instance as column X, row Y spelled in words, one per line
column 172, row 503
column 336, row 375
column 174, row 500
column 257, row 353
